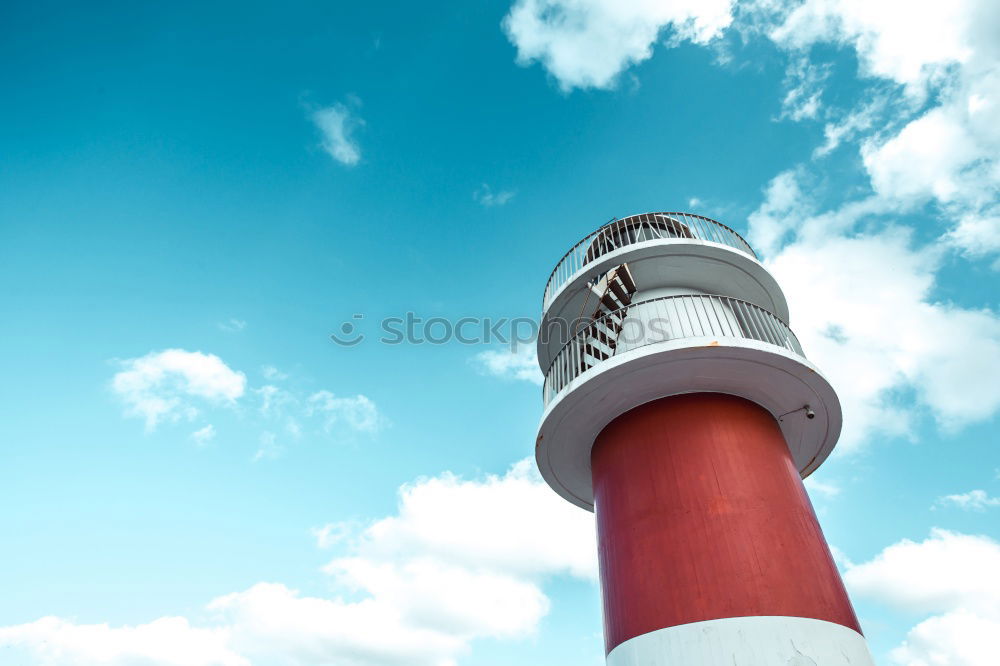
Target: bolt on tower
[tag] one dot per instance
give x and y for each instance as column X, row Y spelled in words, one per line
column 680, row 408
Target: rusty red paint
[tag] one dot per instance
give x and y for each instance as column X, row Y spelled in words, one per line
column 701, row 515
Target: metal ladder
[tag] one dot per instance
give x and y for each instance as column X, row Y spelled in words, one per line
column 601, row 335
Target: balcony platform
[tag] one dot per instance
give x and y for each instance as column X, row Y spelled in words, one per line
column 777, row 378
column 713, row 259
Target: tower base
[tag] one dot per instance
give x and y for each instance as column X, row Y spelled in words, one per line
column 709, row 545
column 747, row 641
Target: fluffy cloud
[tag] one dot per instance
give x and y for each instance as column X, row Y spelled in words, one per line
column 938, row 141
column 357, row 412
column 459, row 561
column 862, row 306
column 946, row 571
column 947, row 153
column 977, row 235
column 331, row 534
column 912, row 43
column 826, row 489
column 176, row 384
column 286, row 414
column 274, row 401
column 804, row 85
column 860, row 290
column 926, row 158
column 485, row 196
column 338, row 125
column 950, row 575
column 521, row 364
column 895, row 39
column 232, row 325
column 272, row 374
column 588, row 43
column 273, row 624
column 782, row 210
column 974, row 500
column 457, row 601
column 856, row 122
column 956, row 638
column 511, row 523
column 204, row 435
column 168, row 641
column 167, row 385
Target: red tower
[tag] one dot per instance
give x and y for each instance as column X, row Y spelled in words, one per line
column 680, row 408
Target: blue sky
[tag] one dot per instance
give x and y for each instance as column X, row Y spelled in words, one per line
column 192, row 199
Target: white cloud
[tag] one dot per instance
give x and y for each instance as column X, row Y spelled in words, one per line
column 338, row 126
column 331, row 534
column 267, row 447
column 357, row 412
column 512, row 523
column 804, row 89
column 175, row 384
column 826, row 489
column 863, row 311
column 488, row 198
column 862, row 306
column 974, row 500
column 204, row 435
column 784, row 207
column 862, row 302
column 232, row 325
column 588, row 43
column 911, row 43
column 168, row 641
column 843, row 562
column 956, row 638
column 950, row 575
column 852, row 124
column 926, row 158
column 459, row 561
column 167, row 385
column 946, row 571
column 521, row 364
column 274, row 400
column 977, row 235
column 273, row 624
column 322, row 411
column 947, row 153
column 272, row 374
column 457, row 601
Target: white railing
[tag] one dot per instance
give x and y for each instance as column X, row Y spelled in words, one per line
column 660, row 320
column 636, row 229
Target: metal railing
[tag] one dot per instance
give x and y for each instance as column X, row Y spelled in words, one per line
column 659, row 320
column 636, row 229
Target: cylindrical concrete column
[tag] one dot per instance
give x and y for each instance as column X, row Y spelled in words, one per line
column 710, row 551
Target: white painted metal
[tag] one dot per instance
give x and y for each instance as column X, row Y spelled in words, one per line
column 690, row 264
column 777, row 378
column 637, row 229
column 746, row 641
column 655, row 320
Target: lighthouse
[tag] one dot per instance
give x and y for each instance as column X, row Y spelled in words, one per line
column 681, row 409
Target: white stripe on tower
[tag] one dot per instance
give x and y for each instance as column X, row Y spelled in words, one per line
column 747, row 641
